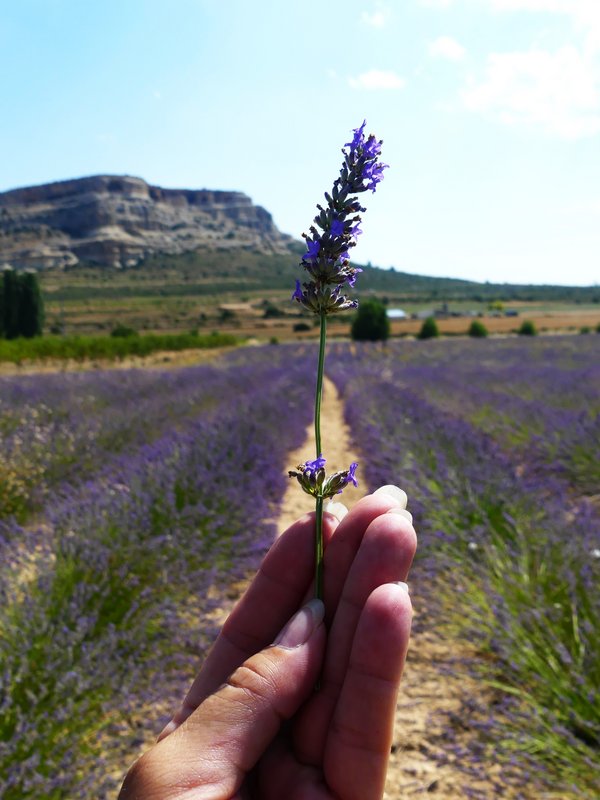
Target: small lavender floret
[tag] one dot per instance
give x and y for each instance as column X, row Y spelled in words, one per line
column 336, row 228
column 313, row 479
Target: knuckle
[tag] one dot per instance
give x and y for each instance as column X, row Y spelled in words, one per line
column 256, row 682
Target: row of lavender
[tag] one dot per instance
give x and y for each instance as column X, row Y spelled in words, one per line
column 153, row 491
column 59, row 428
column 497, row 444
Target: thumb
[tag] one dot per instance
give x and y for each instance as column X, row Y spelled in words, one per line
column 228, row 733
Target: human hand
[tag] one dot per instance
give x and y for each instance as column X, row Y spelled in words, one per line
column 252, row 726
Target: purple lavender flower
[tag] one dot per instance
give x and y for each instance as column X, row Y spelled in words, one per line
column 351, row 476
column 298, row 292
column 336, row 227
column 312, row 478
column 313, row 466
column 312, row 251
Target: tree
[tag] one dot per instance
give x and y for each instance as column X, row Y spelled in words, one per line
column 371, row 322
column 31, row 306
column 477, row 330
column 527, row 329
column 21, row 305
column 429, row 329
column 10, row 302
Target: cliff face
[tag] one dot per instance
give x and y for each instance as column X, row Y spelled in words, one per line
column 117, row 221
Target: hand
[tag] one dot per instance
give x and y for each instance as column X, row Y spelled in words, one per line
column 252, row 726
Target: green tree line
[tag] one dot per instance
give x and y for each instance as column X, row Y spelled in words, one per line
column 21, row 305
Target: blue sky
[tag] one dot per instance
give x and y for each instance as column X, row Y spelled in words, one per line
column 489, row 111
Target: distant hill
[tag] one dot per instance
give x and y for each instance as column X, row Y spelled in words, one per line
column 105, row 228
column 119, row 221
column 247, row 270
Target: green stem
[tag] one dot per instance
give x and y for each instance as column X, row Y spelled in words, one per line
column 319, row 503
column 319, row 391
column 319, row 549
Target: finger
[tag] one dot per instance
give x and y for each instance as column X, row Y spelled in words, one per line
column 277, row 591
column 384, row 556
column 358, row 746
column 341, row 552
column 215, row 748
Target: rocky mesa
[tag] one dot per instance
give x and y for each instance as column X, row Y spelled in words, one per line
column 118, row 221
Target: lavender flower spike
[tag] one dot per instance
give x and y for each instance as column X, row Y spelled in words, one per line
column 336, row 227
column 327, row 262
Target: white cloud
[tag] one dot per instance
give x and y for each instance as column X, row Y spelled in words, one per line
column 446, row 47
column 377, row 79
column 376, row 20
column 555, row 91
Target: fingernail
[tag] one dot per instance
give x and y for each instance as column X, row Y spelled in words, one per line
column 300, row 627
column 396, row 492
column 169, row 728
column 402, row 512
column 338, row 510
column 403, row 586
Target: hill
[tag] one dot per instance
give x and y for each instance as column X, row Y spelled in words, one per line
column 215, row 271
column 109, row 236
column 119, row 221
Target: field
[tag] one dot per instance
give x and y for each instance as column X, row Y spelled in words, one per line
column 129, row 497
column 246, row 293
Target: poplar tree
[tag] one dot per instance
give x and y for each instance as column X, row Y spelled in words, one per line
column 10, row 302
column 31, row 306
column 21, row 305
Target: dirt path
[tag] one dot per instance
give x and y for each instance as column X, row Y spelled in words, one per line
column 336, row 448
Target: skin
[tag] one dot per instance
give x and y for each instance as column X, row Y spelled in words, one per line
column 253, row 726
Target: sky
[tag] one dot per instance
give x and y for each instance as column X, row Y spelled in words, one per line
column 489, row 112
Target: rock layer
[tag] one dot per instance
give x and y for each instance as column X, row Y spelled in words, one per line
column 118, row 221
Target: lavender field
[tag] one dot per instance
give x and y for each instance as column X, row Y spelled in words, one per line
column 130, row 500
column 498, row 444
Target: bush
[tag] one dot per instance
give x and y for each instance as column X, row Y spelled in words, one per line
column 585, row 329
column 477, row 330
column 122, row 332
column 81, row 348
column 429, row 329
column 371, row 322
column 301, row 326
column 272, row 311
column 527, row 329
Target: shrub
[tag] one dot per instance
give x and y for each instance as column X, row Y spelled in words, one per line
column 122, row 332
column 527, row 329
column 371, row 322
column 477, row 329
column 301, row 326
column 585, row 329
column 429, row 329
column 272, row 311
